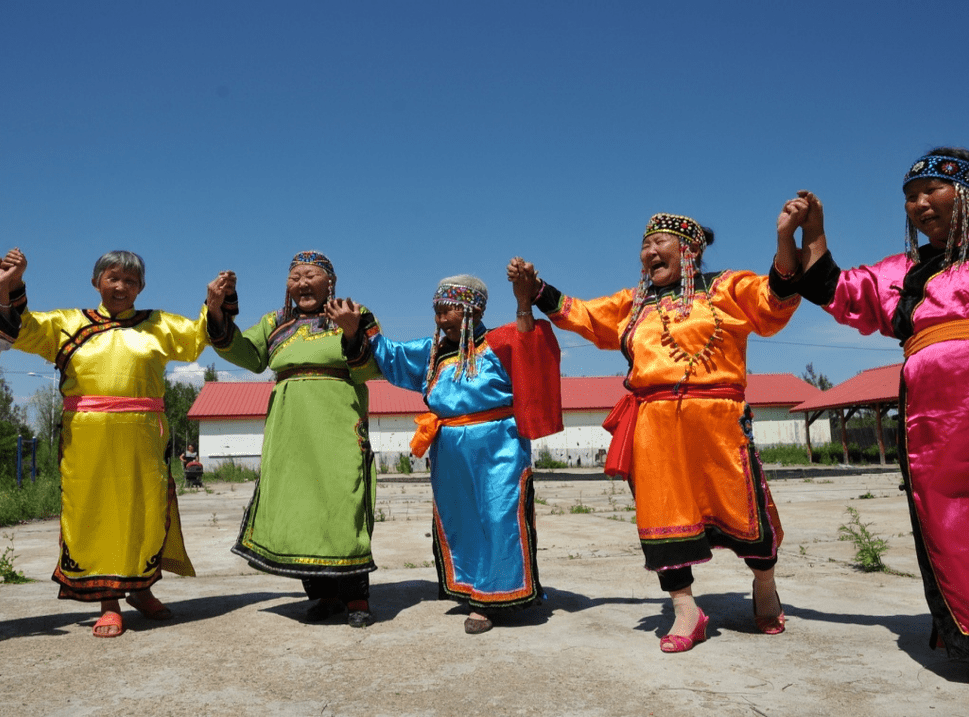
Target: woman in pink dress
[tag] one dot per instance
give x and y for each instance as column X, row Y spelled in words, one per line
column 921, row 297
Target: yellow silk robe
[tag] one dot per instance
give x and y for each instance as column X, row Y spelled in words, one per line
column 119, row 516
column 697, row 480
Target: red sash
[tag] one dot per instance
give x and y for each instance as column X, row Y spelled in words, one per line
column 621, row 421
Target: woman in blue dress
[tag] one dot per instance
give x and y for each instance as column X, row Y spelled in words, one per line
column 489, row 393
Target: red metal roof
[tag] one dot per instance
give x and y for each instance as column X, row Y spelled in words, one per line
column 232, row 399
column 223, row 399
column 779, row 389
column 876, row 385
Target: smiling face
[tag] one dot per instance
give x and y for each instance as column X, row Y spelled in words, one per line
column 448, row 318
column 660, row 255
column 309, row 287
column 118, row 288
column 928, row 203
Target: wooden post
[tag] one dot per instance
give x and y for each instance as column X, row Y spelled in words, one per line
column 878, row 428
column 844, row 433
column 807, row 435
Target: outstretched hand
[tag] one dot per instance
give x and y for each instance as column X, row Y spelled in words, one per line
column 345, row 314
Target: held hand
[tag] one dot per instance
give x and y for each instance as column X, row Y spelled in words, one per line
column 12, row 268
column 220, row 287
column 813, row 224
column 814, row 244
column 524, row 280
column 345, row 314
column 792, row 216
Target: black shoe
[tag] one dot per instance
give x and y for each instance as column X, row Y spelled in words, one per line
column 324, row 609
column 360, row 615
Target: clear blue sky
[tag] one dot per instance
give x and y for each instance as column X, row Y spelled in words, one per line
column 413, row 140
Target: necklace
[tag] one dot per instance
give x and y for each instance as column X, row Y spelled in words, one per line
column 677, row 353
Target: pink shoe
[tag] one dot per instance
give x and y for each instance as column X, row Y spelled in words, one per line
column 681, row 643
column 769, row 624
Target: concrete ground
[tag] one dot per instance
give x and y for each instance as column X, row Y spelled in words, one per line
column 856, row 642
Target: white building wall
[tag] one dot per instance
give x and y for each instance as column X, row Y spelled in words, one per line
column 776, row 425
column 584, row 441
column 238, row 440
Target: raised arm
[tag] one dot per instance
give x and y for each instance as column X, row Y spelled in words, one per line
column 524, row 280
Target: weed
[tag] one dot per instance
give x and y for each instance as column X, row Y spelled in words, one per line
column 214, row 520
column 802, row 549
column 541, row 501
column 403, row 464
column 866, row 496
column 580, row 507
column 380, row 516
column 7, row 570
column 868, row 547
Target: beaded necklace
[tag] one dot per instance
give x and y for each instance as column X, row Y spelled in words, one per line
column 678, row 353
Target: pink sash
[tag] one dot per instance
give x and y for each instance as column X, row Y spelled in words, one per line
column 114, row 404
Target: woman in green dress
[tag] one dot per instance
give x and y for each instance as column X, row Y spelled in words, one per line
column 311, row 516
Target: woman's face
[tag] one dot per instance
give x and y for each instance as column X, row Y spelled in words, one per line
column 660, row 255
column 118, row 288
column 308, row 287
column 928, row 203
column 448, row 319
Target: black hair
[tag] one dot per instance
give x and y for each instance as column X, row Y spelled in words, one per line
column 954, row 152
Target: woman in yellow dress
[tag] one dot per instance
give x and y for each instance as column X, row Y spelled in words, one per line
column 119, row 517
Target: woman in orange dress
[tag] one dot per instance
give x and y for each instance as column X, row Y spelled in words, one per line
column 682, row 435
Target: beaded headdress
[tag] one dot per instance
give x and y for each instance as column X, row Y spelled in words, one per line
column 955, row 171
column 313, row 258
column 471, row 294
column 693, row 240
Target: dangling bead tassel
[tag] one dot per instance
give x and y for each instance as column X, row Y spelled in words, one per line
column 688, row 269
column 433, row 359
column 911, row 241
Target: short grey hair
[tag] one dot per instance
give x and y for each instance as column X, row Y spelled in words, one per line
column 124, row 260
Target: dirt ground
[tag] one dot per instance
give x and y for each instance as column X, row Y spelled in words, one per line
column 856, row 642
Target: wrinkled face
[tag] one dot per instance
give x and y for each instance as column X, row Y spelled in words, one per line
column 928, row 203
column 448, row 319
column 660, row 255
column 308, row 287
column 118, row 288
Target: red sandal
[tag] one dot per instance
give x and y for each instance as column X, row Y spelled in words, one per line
column 109, row 620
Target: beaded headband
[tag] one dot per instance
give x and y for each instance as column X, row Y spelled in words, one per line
column 683, row 227
column 451, row 292
column 314, row 258
column 458, row 295
column 936, row 167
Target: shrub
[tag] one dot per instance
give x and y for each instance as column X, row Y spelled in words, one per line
column 545, row 460
column 403, row 464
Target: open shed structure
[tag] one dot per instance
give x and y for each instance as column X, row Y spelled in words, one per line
column 876, row 388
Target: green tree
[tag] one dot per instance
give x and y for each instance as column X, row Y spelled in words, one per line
column 179, row 398
column 210, row 373
column 13, row 423
column 47, row 409
column 818, row 380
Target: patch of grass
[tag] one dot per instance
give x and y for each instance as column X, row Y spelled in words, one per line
column 786, row 455
column 867, row 496
column 231, row 472
column 580, row 507
column 403, row 465
column 40, row 499
column 868, row 547
column 541, row 501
